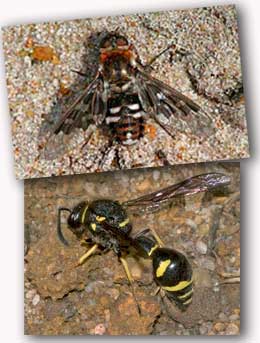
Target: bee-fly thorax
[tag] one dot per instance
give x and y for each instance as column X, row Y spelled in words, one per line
column 117, row 58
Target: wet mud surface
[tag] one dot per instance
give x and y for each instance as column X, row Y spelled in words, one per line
column 62, row 298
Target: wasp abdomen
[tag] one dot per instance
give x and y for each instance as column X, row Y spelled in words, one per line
column 173, row 273
column 171, row 269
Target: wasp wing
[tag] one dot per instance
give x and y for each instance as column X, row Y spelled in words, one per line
column 172, row 110
column 90, row 106
column 193, row 185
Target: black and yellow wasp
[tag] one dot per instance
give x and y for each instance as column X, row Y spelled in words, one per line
column 105, row 223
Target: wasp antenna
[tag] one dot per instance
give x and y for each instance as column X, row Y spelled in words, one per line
column 59, row 231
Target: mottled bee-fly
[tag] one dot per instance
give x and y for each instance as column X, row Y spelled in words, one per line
column 123, row 95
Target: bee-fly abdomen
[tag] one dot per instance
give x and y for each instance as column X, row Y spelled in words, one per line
column 125, row 118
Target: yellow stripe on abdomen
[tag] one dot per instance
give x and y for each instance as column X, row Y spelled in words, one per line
column 181, row 285
column 187, row 302
column 162, row 267
column 185, row 295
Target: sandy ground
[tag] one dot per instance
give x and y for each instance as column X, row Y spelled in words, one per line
column 205, row 66
column 95, row 298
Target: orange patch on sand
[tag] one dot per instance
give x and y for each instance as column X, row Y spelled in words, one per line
column 150, row 130
column 45, row 53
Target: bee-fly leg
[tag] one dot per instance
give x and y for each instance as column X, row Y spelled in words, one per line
column 90, row 130
column 153, row 59
column 131, row 281
column 79, row 73
column 84, row 257
column 162, row 157
column 175, row 48
column 106, row 151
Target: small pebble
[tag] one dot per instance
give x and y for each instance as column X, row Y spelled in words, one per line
column 156, row 175
column 100, row 329
column 201, row 247
column 234, row 317
column 219, row 327
column 113, row 292
column 223, row 317
column 30, row 294
column 207, row 263
column 232, row 329
column 36, row 299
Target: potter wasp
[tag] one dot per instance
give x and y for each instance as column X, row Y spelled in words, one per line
column 123, row 95
column 105, row 223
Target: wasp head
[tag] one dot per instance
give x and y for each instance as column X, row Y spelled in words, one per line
column 75, row 220
column 113, row 40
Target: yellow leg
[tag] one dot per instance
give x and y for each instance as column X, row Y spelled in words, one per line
column 131, row 281
column 127, row 271
column 83, row 242
column 158, row 239
column 87, row 254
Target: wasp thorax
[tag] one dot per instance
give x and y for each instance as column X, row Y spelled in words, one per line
column 113, row 40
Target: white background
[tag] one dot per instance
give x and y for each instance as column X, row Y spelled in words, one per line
column 11, row 205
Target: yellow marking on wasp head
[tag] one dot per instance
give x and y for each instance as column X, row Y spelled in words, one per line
column 93, row 226
column 124, row 223
column 152, row 249
column 84, row 214
column 162, row 267
column 178, row 287
column 100, row 219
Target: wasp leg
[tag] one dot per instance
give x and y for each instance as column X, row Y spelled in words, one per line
column 86, row 255
column 157, row 238
column 86, row 242
column 131, row 281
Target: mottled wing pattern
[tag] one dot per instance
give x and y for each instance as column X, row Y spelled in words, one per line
column 193, row 185
column 89, row 107
column 171, row 109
